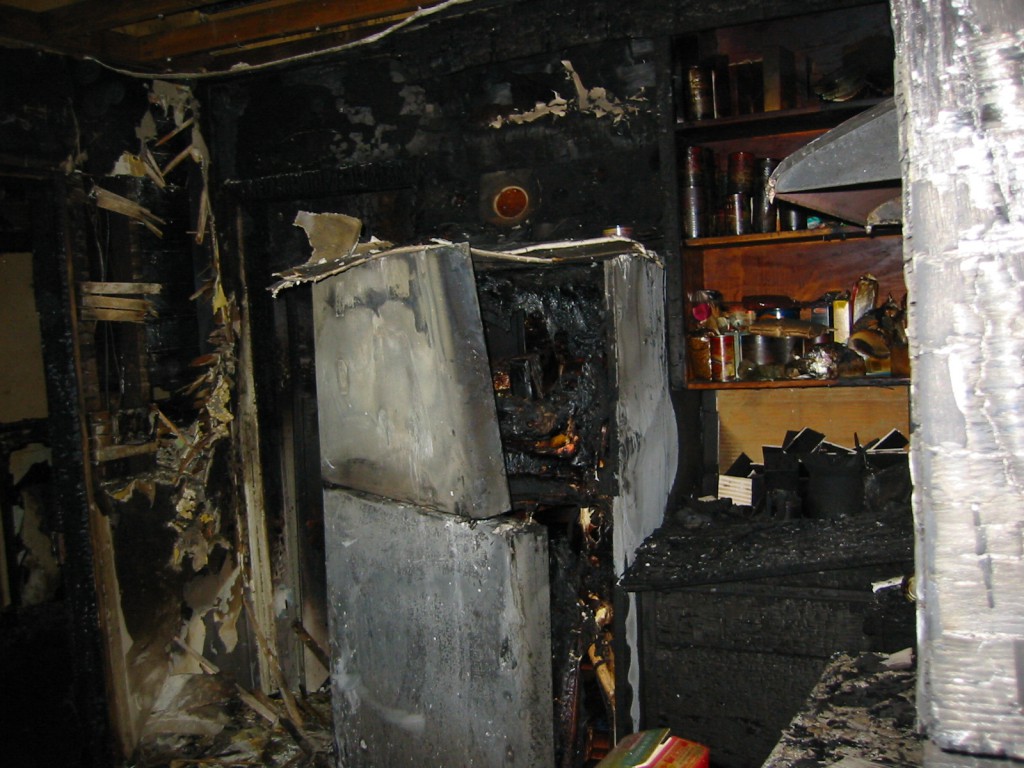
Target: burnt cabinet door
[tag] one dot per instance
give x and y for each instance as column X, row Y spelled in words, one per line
column 406, row 406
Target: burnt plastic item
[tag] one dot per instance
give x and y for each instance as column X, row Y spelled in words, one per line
column 782, row 504
column 523, row 374
column 742, row 467
column 804, row 442
column 835, row 485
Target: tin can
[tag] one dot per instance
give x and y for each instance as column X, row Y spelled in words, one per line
column 694, row 212
column 770, row 350
column 699, row 353
column 700, row 103
column 696, row 167
column 723, row 357
column 741, row 173
column 792, row 218
column 737, row 214
column 765, row 212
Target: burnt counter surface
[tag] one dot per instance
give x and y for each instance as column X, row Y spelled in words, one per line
column 741, row 616
column 690, row 551
column 861, row 709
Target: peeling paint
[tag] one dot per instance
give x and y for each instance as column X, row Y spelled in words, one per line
column 595, row 101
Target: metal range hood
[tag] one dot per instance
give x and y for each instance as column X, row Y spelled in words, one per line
column 852, row 172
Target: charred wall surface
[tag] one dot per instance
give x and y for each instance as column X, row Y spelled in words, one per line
column 54, row 117
column 584, row 171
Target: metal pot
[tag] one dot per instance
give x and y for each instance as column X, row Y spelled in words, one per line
column 770, row 350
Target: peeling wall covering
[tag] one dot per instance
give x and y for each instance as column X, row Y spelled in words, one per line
column 153, row 555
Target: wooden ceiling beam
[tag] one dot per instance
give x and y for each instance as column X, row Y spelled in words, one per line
column 93, row 15
column 22, row 26
column 279, row 21
column 29, row 28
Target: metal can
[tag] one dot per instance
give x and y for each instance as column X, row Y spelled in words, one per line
column 695, row 166
column 765, row 212
column 737, row 214
column 699, row 353
column 723, row 357
column 741, row 173
column 694, row 212
column 700, row 103
column 792, row 218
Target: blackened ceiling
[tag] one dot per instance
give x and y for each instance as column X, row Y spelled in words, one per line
column 162, row 36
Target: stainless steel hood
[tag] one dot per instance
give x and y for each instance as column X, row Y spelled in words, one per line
column 851, row 172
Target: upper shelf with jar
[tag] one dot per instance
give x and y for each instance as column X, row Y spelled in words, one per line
column 746, row 98
column 778, row 75
column 751, row 95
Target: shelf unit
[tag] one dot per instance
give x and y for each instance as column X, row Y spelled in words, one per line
column 822, row 115
column 801, row 264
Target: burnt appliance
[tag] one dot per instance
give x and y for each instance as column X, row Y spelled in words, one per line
column 496, row 439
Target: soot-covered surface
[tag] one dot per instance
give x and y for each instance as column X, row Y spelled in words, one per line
column 861, row 708
column 546, row 333
column 740, row 617
column 547, row 336
column 688, row 551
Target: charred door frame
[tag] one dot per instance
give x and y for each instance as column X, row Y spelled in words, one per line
column 57, row 235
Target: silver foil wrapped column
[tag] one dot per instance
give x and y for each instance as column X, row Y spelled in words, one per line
column 960, row 69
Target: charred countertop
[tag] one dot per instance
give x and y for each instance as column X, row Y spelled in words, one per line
column 706, row 544
column 860, row 714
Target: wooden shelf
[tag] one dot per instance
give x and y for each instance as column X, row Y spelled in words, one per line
column 859, row 381
column 822, row 234
column 815, row 116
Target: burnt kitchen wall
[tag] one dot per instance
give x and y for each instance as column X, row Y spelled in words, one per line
column 415, row 133
column 299, row 132
column 124, row 314
column 411, row 152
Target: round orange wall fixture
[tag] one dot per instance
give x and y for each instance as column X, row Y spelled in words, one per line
column 511, row 203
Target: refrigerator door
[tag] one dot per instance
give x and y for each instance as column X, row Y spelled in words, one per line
column 405, row 395
column 440, row 637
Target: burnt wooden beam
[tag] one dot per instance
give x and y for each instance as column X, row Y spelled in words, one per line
column 260, row 24
column 54, row 232
column 93, row 15
column 27, row 28
column 22, row 26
